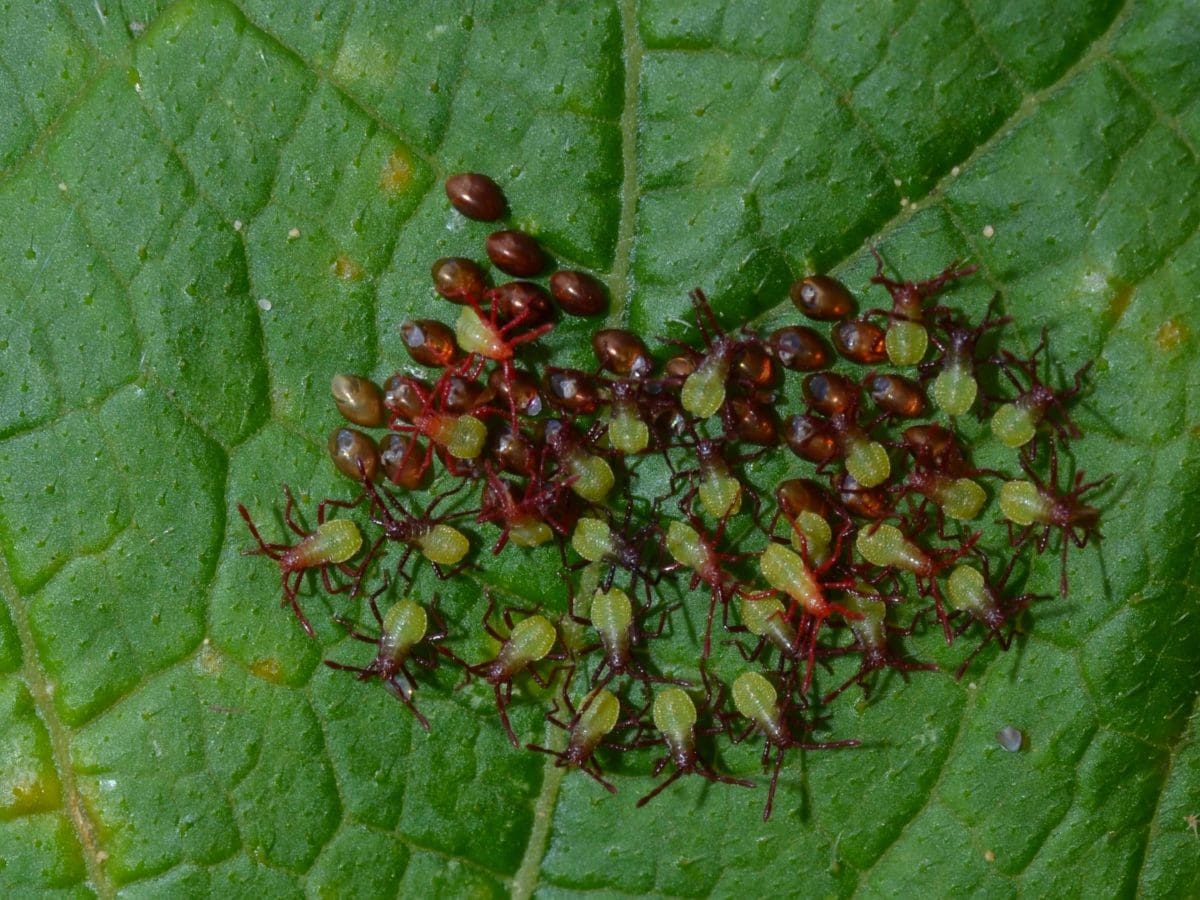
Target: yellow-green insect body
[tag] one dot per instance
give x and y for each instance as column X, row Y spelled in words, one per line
column 885, row 545
column 966, row 590
column 1014, row 424
column 703, row 391
column 612, row 617
column 332, row 542
column 1023, row 504
column 812, row 536
column 866, row 461
column 443, row 544
column 906, row 342
column 529, row 531
column 593, row 477
column 474, row 335
column 675, row 716
column 466, row 438
column 720, row 493
column 766, row 617
column 592, row 539
column 868, row 628
column 529, row 641
column 627, row 432
column 963, row 499
column 683, row 543
column 955, row 388
column 597, row 716
column 757, row 700
column 404, row 626
column 786, row 571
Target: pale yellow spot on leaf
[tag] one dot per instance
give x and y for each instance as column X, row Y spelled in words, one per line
column 268, row 670
column 28, row 793
column 208, row 660
column 1170, row 334
column 397, row 174
column 346, row 269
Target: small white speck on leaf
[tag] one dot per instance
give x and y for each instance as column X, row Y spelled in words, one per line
column 62, row 186
column 989, row 856
column 904, row 201
column 956, row 171
column 1010, row 738
column 989, row 231
column 293, row 233
column 237, row 224
column 264, row 304
column 897, row 182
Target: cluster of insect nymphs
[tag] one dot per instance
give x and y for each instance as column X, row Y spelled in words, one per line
column 876, row 542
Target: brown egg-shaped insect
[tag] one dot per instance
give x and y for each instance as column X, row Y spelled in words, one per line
column 935, row 446
column 475, row 196
column 578, row 293
column 403, row 461
column 896, row 394
column 522, row 390
column 348, row 447
column 359, row 400
column 405, row 396
column 456, row 278
column 512, row 451
column 681, row 366
column 516, row 253
column 755, row 423
column 622, row 352
column 429, row 342
column 799, row 348
column 461, row 395
column 830, row 393
column 525, row 300
column 822, row 297
column 573, row 390
column 797, row 495
column 860, row 341
column 811, row 438
column 868, row 503
column 755, row 366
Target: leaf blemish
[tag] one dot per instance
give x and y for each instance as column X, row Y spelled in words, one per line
column 1170, row 334
column 397, row 173
column 346, row 269
column 268, row 670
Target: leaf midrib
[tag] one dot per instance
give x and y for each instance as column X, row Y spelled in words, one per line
column 40, row 689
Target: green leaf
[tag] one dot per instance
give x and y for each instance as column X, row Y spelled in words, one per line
column 209, row 208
